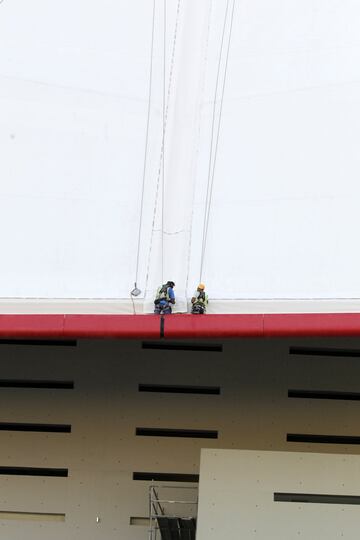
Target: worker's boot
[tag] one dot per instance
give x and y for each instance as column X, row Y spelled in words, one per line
column 198, row 309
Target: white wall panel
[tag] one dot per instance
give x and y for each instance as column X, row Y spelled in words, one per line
column 285, row 194
column 73, row 102
column 236, row 495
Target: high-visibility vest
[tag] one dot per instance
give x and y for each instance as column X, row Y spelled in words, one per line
column 201, row 298
column 162, row 293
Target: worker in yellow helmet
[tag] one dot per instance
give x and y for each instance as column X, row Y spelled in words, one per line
column 199, row 300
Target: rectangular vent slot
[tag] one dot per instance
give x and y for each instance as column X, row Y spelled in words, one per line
column 31, row 516
column 180, row 346
column 40, row 342
column 322, row 439
column 316, row 498
column 33, row 471
column 323, row 351
column 190, row 433
column 28, row 383
column 324, row 394
column 140, row 521
column 166, row 477
column 41, row 428
column 179, row 389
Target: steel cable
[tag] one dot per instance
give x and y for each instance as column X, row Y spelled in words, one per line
column 163, row 152
column 171, row 69
column 146, row 143
column 212, row 160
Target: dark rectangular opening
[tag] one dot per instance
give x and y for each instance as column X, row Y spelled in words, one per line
column 324, row 394
column 190, row 433
column 324, row 351
column 29, row 383
column 179, row 389
column 180, row 346
column 33, row 471
column 39, row 342
column 42, row 428
column 316, row 498
column 30, row 516
column 139, row 520
column 322, row 439
column 166, row 477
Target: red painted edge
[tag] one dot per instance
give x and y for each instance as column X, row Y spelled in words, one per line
column 312, row 324
column 112, row 326
column 213, row 326
column 179, row 326
column 32, row 326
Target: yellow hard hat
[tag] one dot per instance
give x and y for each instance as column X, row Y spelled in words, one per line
column 201, row 286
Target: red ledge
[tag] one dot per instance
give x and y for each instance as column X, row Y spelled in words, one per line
column 179, row 326
column 32, row 326
column 112, row 326
column 312, row 324
column 213, row 326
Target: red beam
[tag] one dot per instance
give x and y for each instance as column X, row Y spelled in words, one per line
column 312, row 324
column 32, row 326
column 213, row 326
column 112, row 326
column 179, row 326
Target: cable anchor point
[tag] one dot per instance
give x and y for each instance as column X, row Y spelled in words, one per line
column 135, row 291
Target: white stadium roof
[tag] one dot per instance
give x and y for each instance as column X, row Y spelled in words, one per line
column 274, row 225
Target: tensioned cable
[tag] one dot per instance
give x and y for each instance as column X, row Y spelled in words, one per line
column 203, row 77
column 208, row 189
column 163, row 152
column 220, row 116
column 146, row 142
column 212, row 135
column 171, row 69
column 211, row 176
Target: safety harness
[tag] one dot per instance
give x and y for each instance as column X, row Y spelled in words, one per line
column 162, row 294
column 201, row 298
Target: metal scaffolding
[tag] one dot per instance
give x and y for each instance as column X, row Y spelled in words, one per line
column 172, row 512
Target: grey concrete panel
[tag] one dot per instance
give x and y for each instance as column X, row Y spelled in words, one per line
column 237, row 495
column 253, row 411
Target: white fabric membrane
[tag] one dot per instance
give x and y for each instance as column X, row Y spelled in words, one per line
column 283, row 218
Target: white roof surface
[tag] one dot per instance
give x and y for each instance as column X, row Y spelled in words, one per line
column 284, row 216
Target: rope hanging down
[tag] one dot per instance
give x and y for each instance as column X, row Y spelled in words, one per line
column 160, row 168
column 136, row 291
column 163, row 152
column 213, row 150
column 198, row 136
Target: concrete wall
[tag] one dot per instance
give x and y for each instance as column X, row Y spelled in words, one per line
column 253, row 411
column 237, row 495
